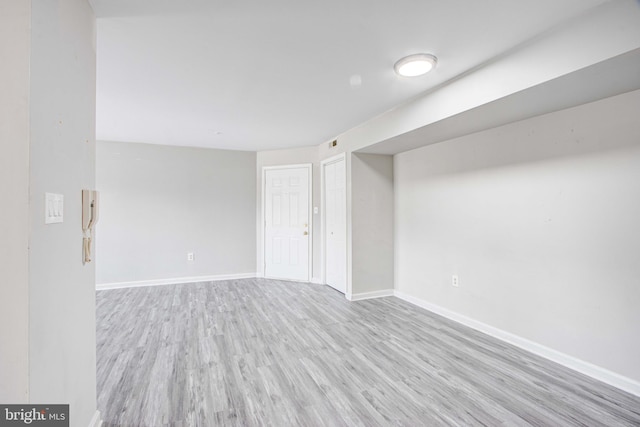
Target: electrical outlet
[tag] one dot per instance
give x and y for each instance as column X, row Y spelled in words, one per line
column 454, row 280
column 190, row 256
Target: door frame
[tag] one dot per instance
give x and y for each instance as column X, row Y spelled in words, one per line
column 309, row 167
column 323, row 224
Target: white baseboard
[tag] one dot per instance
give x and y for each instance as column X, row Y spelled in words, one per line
column 593, row 371
column 316, row 281
column 369, row 295
column 174, row 281
column 96, row 421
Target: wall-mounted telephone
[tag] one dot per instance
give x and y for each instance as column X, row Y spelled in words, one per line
column 90, row 206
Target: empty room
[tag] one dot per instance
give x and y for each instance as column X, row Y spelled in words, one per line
column 410, row 213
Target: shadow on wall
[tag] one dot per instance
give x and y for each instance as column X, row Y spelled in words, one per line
column 549, row 137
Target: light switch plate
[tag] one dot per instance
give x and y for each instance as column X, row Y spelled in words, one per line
column 53, row 208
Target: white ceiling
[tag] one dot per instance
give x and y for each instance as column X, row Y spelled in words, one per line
column 615, row 76
column 255, row 75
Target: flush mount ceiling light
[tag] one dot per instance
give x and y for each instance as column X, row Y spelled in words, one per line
column 415, row 65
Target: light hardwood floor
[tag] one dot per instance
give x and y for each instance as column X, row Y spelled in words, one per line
column 264, row 352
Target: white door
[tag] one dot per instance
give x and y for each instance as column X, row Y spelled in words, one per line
column 335, row 224
column 287, row 223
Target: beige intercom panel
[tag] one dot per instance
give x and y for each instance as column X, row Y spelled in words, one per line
column 90, row 207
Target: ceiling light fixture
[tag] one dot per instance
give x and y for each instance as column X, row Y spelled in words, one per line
column 415, row 65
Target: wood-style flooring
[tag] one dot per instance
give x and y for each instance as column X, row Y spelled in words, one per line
column 261, row 352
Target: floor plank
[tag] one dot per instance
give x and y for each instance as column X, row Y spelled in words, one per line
column 259, row 352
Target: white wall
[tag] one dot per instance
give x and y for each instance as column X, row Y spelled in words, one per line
column 372, row 227
column 592, row 38
column 47, row 87
column 158, row 203
column 539, row 219
column 50, row 144
column 14, row 193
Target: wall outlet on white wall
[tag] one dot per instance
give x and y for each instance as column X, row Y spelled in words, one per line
column 191, row 256
column 454, row 280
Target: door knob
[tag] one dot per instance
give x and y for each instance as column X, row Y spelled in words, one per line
column 305, row 233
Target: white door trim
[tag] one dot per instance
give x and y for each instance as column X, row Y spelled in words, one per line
column 309, row 167
column 323, row 225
